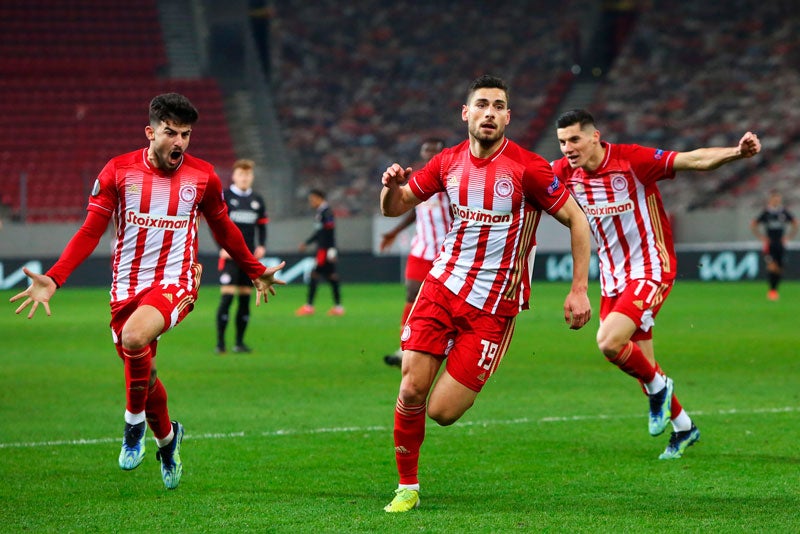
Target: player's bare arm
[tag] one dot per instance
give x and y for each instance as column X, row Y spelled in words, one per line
column 40, row 291
column 577, row 308
column 265, row 284
column 707, row 159
column 396, row 195
column 388, row 238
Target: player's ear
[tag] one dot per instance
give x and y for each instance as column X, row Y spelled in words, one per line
column 464, row 113
column 150, row 132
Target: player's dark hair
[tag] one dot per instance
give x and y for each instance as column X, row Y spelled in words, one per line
column 317, row 193
column 172, row 107
column 575, row 116
column 487, row 81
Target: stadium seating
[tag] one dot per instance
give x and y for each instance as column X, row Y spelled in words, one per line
column 703, row 76
column 356, row 96
column 353, row 97
column 75, row 82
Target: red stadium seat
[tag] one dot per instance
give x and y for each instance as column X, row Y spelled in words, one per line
column 67, row 103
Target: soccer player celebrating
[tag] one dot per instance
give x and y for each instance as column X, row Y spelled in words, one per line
column 155, row 196
column 616, row 186
column 780, row 226
column 466, row 309
column 432, row 221
column 247, row 210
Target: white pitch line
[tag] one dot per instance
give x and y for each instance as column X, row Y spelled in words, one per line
column 353, row 429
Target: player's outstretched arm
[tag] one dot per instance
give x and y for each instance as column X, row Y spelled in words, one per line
column 707, row 159
column 40, row 291
column 265, row 284
column 78, row 249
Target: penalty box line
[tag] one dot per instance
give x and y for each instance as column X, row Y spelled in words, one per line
column 354, row 429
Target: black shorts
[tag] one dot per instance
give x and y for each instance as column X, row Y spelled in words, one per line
column 231, row 275
column 775, row 252
column 325, row 262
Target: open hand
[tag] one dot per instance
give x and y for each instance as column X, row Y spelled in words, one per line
column 265, row 283
column 41, row 289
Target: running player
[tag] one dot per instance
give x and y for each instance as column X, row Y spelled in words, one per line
column 155, row 196
column 616, row 186
column 466, row 309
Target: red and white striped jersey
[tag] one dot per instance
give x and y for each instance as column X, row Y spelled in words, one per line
column 626, row 214
column 496, row 203
column 433, row 220
column 156, row 218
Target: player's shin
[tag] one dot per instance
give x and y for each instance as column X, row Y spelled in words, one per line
column 631, row 360
column 138, row 364
column 156, row 410
column 409, row 432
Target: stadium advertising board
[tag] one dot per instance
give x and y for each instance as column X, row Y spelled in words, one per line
column 718, row 264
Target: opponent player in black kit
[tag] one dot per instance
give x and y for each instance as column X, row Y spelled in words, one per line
column 780, row 226
column 247, row 210
column 325, row 237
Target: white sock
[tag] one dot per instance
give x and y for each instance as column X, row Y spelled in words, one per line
column 682, row 423
column 166, row 441
column 656, row 385
column 134, row 418
column 414, row 487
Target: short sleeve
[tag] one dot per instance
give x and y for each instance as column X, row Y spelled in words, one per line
column 427, row 181
column 543, row 189
column 651, row 164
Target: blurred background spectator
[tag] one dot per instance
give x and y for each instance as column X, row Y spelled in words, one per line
column 325, row 94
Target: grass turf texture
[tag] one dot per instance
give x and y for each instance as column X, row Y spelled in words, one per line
column 296, row 437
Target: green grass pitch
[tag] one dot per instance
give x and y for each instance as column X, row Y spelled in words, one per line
column 296, row 437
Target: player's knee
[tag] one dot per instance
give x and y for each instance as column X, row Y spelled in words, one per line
column 134, row 339
column 412, row 393
column 609, row 345
column 444, row 416
column 442, row 419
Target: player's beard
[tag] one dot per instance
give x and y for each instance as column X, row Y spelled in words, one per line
column 489, row 138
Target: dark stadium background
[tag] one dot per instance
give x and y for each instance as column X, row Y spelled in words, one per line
column 326, row 94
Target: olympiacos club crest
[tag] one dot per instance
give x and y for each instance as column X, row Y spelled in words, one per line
column 503, row 188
